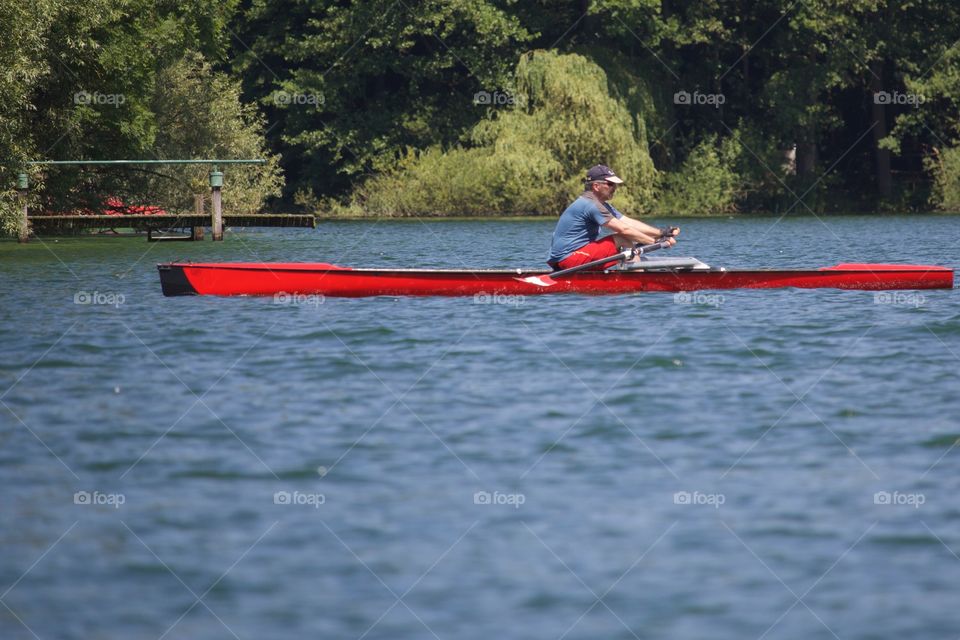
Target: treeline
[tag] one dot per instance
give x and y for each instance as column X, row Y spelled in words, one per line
column 391, row 107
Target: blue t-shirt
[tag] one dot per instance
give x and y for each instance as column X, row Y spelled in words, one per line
column 580, row 225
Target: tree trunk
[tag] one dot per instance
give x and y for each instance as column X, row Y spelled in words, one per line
column 879, row 118
column 806, row 159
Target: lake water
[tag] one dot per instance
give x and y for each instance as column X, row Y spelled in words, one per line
column 754, row 464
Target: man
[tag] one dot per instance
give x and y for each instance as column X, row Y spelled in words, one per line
column 576, row 238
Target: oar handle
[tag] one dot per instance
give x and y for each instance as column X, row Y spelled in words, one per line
column 647, row 248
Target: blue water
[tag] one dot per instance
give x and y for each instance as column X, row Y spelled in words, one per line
column 558, row 467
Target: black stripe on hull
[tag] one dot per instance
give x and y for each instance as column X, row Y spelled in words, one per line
column 174, row 281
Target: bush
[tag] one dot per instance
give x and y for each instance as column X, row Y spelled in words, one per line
column 9, row 212
column 707, row 181
column 945, row 167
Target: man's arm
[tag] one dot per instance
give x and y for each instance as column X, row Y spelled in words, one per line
column 631, row 230
column 646, row 228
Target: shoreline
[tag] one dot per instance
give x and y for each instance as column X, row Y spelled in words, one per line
column 126, row 232
column 703, row 216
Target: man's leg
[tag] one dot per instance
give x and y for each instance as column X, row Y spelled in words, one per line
column 593, row 251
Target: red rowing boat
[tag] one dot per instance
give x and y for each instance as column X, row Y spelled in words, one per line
column 679, row 274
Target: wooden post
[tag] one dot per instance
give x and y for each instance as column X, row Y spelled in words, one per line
column 216, row 183
column 217, row 215
column 196, row 233
column 23, row 188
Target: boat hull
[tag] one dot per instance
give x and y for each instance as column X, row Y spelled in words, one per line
column 267, row 279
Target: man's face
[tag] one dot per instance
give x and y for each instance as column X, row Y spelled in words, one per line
column 604, row 190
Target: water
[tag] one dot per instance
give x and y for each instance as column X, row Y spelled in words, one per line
column 575, row 467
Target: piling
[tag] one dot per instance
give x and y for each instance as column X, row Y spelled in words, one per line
column 23, row 188
column 216, row 216
column 196, row 233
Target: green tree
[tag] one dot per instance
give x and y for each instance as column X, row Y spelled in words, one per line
column 219, row 126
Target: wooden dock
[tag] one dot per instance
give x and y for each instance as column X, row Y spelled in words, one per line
column 195, row 222
column 51, row 225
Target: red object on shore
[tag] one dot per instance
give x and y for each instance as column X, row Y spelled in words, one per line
column 115, row 207
column 266, row 279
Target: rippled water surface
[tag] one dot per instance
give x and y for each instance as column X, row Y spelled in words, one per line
column 753, row 464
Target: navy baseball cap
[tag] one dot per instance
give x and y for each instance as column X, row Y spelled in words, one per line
column 602, row 172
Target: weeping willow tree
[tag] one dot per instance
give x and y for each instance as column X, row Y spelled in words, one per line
column 528, row 157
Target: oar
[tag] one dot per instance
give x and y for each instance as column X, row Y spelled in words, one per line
column 548, row 280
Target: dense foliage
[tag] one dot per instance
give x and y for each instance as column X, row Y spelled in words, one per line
column 389, row 107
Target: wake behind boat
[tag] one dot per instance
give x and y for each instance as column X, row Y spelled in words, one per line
column 648, row 275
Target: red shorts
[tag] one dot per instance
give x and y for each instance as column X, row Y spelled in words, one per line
column 591, row 251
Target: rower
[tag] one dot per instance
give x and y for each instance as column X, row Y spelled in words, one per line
column 576, row 239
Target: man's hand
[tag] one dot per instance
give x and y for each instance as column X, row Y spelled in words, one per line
column 668, row 235
column 669, row 232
